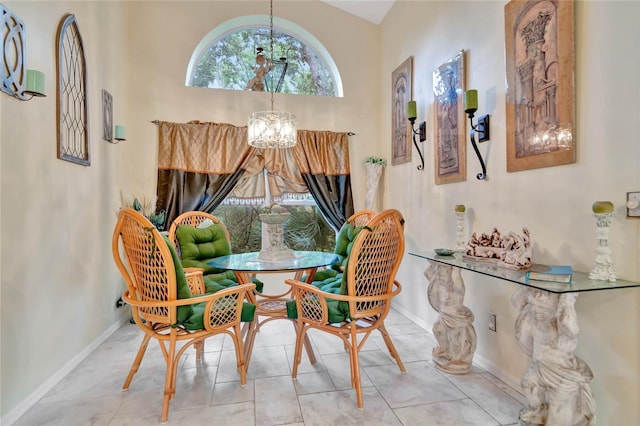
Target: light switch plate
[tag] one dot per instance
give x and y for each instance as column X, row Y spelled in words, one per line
column 633, row 204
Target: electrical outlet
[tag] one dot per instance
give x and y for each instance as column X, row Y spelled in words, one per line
column 492, row 321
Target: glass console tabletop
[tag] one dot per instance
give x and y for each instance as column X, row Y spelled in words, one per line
column 580, row 280
column 249, row 262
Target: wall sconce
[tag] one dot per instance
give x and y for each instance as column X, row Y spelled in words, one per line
column 481, row 128
column 421, row 132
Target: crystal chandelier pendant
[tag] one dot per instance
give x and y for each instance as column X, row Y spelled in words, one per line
column 272, row 129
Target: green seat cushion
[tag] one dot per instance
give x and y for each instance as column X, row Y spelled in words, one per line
column 334, row 279
column 195, row 321
column 338, row 310
column 191, row 316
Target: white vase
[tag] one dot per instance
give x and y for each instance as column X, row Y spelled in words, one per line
column 374, row 171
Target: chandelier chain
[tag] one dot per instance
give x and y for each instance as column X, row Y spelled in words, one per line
column 271, row 48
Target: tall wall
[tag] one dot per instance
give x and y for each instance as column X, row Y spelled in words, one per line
column 554, row 203
column 59, row 281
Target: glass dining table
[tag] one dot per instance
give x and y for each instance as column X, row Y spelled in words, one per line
column 303, row 264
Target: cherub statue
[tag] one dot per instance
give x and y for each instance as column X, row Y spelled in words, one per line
column 262, row 67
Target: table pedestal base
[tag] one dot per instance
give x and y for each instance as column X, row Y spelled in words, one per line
column 453, row 329
column 556, row 384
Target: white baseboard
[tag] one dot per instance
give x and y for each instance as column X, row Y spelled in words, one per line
column 511, row 381
column 418, row 321
column 45, row 387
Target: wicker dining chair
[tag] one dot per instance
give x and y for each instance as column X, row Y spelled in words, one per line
column 192, row 218
column 361, row 217
column 163, row 306
column 365, row 295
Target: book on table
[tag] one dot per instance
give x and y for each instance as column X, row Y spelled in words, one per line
column 552, row 273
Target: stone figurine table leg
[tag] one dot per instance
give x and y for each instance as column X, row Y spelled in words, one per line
column 556, row 384
column 453, row 329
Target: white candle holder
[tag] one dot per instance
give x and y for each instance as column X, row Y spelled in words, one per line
column 603, row 265
column 461, row 244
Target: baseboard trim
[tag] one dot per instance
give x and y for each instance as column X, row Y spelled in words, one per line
column 511, row 381
column 45, row 387
column 415, row 319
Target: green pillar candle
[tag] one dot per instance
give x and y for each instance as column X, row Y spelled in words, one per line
column 411, row 110
column 460, row 208
column 602, row 207
column 35, row 83
column 471, row 100
column 119, row 134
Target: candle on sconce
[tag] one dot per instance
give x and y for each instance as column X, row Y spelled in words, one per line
column 412, row 110
column 35, row 83
column 471, row 100
column 119, row 133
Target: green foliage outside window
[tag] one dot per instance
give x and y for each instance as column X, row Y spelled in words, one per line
column 228, row 63
column 306, row 229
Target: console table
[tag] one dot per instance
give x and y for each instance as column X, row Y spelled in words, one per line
column 557, row 383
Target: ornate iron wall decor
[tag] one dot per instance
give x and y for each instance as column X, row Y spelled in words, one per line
column 12, row 71
column 73, row 126
column 107, row 116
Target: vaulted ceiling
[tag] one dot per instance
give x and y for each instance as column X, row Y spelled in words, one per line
column 370, row 10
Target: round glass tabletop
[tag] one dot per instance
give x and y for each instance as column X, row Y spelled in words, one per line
column 249, row 262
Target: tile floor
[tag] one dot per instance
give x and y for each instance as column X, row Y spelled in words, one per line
column 209, row 392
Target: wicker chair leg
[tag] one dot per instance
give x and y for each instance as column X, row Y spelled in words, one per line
column 169, row 383
column 199, row 348
column 301, row 333
column 236, row 335
column 391, row 347
column 137, row 360
column 249, row 330
column 355, row 366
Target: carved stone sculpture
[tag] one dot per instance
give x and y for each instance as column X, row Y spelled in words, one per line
column 262, row 67
column 556, row 384
column 453, row 329
column 274, row 221
column 512, row 250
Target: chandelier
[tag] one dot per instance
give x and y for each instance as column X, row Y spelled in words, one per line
column 271, row 129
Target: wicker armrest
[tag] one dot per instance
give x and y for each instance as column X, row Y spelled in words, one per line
column 195, row 280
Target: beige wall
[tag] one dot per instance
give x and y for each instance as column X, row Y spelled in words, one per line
column 554, row 203
column 59, row 284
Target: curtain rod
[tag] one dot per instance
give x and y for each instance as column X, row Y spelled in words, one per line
column 156, row 122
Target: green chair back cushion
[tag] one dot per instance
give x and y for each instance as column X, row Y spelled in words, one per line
column 184, row 312
column 198, row 245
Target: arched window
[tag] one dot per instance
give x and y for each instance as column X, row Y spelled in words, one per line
column 225, row 58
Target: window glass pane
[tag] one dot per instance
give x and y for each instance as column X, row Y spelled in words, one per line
column 306, row 228
column 228, row 63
